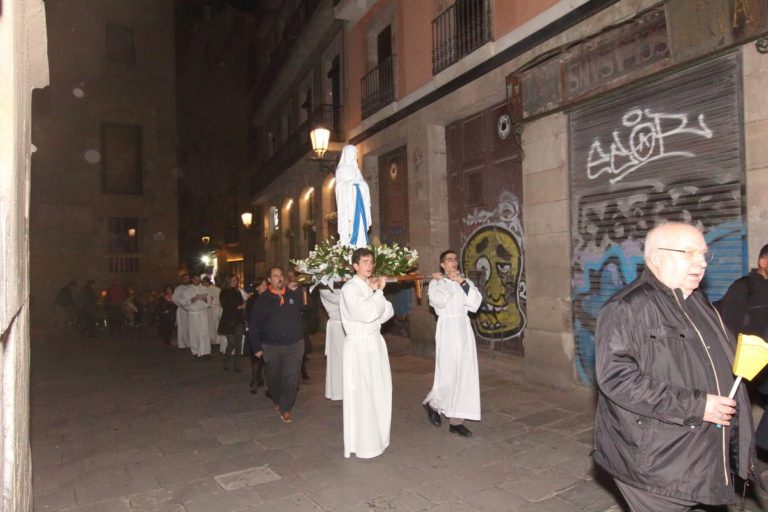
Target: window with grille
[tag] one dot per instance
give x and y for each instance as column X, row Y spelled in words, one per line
column 123, row 244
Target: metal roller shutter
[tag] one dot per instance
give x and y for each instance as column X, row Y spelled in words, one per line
column 671, row 150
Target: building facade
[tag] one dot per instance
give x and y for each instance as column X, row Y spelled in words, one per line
column 560, row 133
column 104, row 174
column 540, row 140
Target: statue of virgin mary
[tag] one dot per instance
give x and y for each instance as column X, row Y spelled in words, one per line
column 353, row 200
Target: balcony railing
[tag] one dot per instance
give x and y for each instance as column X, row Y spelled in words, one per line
column 458, row 31
column 378, row 87
column 296, row 146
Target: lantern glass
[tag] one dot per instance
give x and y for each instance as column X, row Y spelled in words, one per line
column 320, row 137
column 247, row 218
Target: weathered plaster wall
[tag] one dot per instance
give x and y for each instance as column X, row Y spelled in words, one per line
column 755, row 68
column 24, row 66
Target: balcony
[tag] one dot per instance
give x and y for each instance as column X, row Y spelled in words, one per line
column 458, row 31
column 378, row 87
column 296, row 146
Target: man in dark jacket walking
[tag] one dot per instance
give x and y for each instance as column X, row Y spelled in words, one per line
column 664, row 428
column 745, row 309
column 745, row 305
column 275, row 332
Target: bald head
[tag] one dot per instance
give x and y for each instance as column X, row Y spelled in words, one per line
column 676, row 254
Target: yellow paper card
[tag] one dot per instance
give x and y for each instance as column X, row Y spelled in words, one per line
column 751, row 356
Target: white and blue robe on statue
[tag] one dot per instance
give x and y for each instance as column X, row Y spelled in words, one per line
column 353, row 201
column 334, row 344
column 456, row 389
column 366, row 375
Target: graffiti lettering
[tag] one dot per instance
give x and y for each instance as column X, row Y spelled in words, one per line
column 646, row 142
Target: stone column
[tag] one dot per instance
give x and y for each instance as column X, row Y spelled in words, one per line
column 549, row 346
column 755, row 68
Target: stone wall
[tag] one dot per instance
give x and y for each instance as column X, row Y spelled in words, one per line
column 24, row 66
column 755, row 68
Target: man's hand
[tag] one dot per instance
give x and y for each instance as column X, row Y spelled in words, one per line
column 437, row 276
column 719, row 410
column 293, row 286
column 456, row 276
column 259, row 354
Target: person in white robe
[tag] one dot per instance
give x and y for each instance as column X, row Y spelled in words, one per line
column 456, row 389
column 334, row 344
column 214, row 310
column 196, row 305
column 353, row 200
column 367, row 380
column 182, row 320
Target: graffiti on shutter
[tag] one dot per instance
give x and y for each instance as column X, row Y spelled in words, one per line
column 667, row 151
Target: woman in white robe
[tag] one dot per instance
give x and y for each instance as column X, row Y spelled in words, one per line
column 334, row 344
column 196, row 306
column 182, row 319
column 456, row 389
column 366, row 374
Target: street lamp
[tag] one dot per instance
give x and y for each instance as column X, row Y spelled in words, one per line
column 320, row 137
column 247, row 218
column 205, row 239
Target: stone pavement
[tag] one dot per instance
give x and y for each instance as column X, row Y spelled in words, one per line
column 123, row 424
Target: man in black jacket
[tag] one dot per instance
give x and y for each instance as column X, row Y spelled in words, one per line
column 745, row 305
column 275, row 332
column 665, row 428
column 745, row 309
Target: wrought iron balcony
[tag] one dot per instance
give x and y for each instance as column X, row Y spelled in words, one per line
column 458, row 31
column 378, row 87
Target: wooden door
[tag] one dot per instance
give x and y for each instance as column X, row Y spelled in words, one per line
column 393, row 197
column 485, row 219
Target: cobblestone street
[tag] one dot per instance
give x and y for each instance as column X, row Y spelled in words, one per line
column 124, row 424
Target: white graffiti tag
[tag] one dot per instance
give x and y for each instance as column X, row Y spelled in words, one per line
column 644, row 144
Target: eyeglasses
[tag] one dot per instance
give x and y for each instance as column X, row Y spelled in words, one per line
column 692, row 254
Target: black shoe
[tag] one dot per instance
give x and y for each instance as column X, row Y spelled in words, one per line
column 433, row 415
column 461, row 430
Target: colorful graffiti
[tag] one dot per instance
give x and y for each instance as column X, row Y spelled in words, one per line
column 665, row 151
column 492, row 258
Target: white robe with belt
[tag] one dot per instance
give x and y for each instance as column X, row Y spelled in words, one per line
column 334, row 344
column 456, row 389
column 182, row 319
column 197, row 313
column 366, row 374
column 214, row 314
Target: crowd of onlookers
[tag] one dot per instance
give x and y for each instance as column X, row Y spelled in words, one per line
column 196, row 314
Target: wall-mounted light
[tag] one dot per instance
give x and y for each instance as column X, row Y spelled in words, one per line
column 247, row 218
column 205, row 239
column 289, row 204
column 323, row 121
column 308, row 193
column 131, row 232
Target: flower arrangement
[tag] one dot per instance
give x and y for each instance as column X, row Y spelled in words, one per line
column 331, row 261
